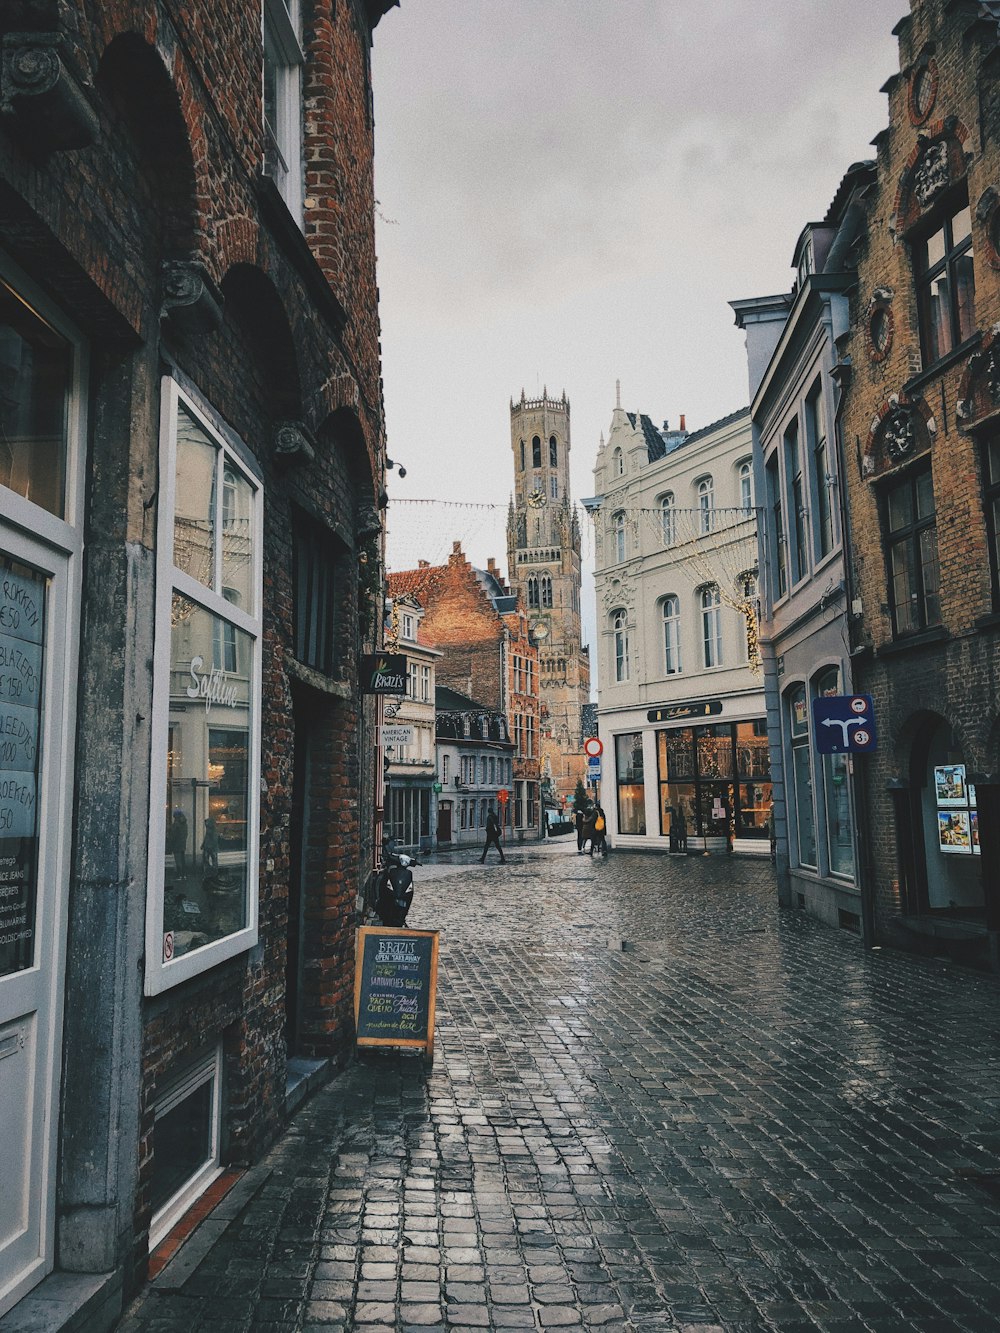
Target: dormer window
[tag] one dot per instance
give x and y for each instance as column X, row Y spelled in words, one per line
column 283, row 101
column 409, row 627
column 806, row 261
column 617, row 464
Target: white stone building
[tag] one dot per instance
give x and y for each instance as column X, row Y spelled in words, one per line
column 411, row 768
column 680, row 712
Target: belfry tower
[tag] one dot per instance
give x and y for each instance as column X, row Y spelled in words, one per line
column 543, row 559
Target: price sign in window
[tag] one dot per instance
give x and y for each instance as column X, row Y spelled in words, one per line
column 22, row 626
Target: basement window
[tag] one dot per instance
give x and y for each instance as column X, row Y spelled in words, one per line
column 186, row 1139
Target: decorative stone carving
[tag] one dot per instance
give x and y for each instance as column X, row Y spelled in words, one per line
column 898, row 435
column 38, row 90
column 294, row 443
column 619, row 593
column 931, row 174
column 191, row 301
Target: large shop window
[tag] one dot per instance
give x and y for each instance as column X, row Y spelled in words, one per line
column 802, row 785
column 631, row 784
column 946, row 286
column 717, row 777
column 911, row 547
column 206, row 740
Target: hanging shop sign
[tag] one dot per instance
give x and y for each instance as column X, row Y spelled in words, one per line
column 383, row 673
column 682, row 712
column 397, row 735
column 957, row 817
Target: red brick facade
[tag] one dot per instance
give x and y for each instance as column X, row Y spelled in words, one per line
column 930, row 655
column 486, row 651
column 132, row 198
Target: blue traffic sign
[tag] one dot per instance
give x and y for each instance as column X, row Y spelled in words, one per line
column 844, row 724
column 593, row 761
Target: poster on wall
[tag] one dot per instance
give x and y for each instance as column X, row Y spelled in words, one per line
column 954, row 831
column 950, row 786
column 974, row 829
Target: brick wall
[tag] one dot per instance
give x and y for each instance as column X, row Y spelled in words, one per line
column 935, row 152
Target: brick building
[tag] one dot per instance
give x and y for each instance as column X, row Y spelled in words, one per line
column 191, row 457
column 921, row 434
column 489, row 656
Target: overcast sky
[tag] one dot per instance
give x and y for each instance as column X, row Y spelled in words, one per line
column 570, row 191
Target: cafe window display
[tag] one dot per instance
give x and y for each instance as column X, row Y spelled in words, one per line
column 716, row 778
column 203, row 849
column 631, row 784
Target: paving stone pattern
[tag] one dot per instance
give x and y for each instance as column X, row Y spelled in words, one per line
column 736, row 1121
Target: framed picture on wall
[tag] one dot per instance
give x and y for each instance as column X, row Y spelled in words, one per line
column 954, row 831
column 950, row 786
column 974, row 830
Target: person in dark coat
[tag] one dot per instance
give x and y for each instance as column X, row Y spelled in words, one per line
column 599, row 841
column 578, row 820
column 492, row 837
column 588, row 827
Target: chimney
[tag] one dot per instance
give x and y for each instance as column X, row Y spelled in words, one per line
column 423, row 564
column 683, row 426
column 491, row 564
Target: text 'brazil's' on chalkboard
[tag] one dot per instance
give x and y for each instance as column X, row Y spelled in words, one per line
column 394, row 987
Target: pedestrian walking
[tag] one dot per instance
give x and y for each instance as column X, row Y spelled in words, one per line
column 492, row 837
column 600, row 838
column 579, row 821
column 588, row 827
column 177, row 836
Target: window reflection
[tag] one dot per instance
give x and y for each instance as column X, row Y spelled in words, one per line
column 207, row 851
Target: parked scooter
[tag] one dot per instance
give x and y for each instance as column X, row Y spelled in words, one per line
column 393, row 888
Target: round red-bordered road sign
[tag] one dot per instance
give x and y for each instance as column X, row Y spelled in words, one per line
column 593, row 747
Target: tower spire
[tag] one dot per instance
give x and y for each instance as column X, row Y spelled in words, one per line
column 618, row 393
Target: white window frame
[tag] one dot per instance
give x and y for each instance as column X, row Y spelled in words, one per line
column 620, row 543
column 159, row 975
column 619, row 626
column 668, row 518
column 711, row 626
column 281, row 37
column 745, row 479
column 209, row 1068
column 618, row 463
column 671, row 612
column 706, row 504
column 408, row 630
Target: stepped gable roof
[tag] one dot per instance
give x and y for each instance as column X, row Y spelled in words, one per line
column 716, row 425
column 855, row 174
column 414, row 582
column 655, row 448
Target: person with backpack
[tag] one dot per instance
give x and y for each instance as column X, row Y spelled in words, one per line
column 492, row 837
column 599, row 840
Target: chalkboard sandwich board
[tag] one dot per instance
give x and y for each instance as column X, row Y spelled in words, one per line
column 395, row 981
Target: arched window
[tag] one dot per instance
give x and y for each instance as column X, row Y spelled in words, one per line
column 711, row 625
column 669, row 519
column 522, row 455
column 671, row 635
column 618, row 536
column 546, row 590
column 532, row 590
column 553, row 452
column 746, row 486
column 617, row 464
column 620, row 627
column 706, row 505
column 536, row 451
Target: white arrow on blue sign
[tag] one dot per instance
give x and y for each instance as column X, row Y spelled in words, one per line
column 844, row 724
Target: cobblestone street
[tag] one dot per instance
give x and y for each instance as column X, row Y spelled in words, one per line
column 656, row 1103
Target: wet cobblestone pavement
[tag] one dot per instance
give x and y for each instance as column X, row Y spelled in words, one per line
column 736, row 1121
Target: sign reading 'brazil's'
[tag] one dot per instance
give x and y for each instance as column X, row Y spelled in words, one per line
column 394, row 987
